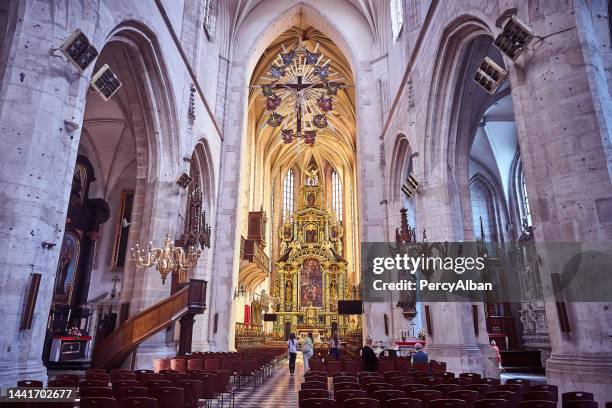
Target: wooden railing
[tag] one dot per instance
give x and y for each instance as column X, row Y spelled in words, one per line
column 114, row 349
column 252, row 251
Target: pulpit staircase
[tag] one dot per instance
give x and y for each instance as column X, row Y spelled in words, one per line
column 183, row 304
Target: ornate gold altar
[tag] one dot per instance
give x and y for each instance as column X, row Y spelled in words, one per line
column 311, row 274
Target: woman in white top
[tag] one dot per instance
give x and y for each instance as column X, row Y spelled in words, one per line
column 307, row 350
column 292, row 348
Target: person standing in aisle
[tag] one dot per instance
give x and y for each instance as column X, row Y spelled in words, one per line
column 292, row 349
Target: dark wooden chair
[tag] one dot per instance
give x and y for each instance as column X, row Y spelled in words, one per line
column 546, row 387
column 539, row 396
column 482, row 389
column 521, row 381
column 344, row 378
column 138, row 402
column 425, row 395
column 491, row 403
column 333, row 366
column 137, row 372
column 342, row 395
column 472, row 376
column 62, row 383
column 371, row 388
column 361, row 402
column 96, row 392
column 97, row 402
column 448, row 403
column 512, row 397
column 169, row 397
column 192, row 391
column 385, row 395
column 445, row 388
column 98, row 377
column 92, row 383
column 314, row 385
column 30, row 383
column 468, row 396
column 397, row 380
column 385, row 366
column 491, row 381
column 516, row 388
column 320, row 378
column 130, row 392
column 123, row 376
column 408, row 388
column 537, row 404
column 581, row 404
column 152, row 384
column 346, row 386
column 371, row 379
column 318, row 403
column 352, row 366
column 74, row 378
column 576, row 396
column 404, row 403
column 125, row 383
column 309, row 394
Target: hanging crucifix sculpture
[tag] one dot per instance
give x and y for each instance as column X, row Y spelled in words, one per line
column 299, row 93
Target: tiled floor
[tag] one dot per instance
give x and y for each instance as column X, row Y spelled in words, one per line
column 279, row 391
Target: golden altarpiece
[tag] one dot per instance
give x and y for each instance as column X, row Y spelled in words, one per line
column 311, row 273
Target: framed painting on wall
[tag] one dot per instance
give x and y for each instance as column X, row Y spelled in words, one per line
column 122, row 230
column 66, row 268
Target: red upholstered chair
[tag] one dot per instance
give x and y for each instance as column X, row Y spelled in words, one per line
column 482, row 389
column 333, row 366
column 93, row 383
column 546, row 387
column 521, row 381
column 429, row 381
column 373, row 387
column 120, row 370
column 576, row 396
column 96, row 392
column 448, row 403
column 437, row 367
column 62, row 384
column 385, row 395
column 315, row 373
column 318, row 403
column 361, row 402
column 169, row 397
column 98, row 377
column 212, row 364
column 445, row 388
column 421, row 367
column 345, row 378
column 537, row 404
column 385, row 366
column 138, row 372
column 316, row 364
column 95, row 371
column 172, row 377
column 539, row 396
column 475, row 377
column 149, row 376
column 494, row 382
column 314, row 385
column 398, row 381
column 389, row 374
column 309, row 394
column 342, row 395
column 426, row 396
column 371, row 379
column 468, row 396
column 30, row 383
column 192, row 391
column 347, row 386
column 512, row 397
column 178, row 364
column 153, row 384
column 352, row 366
column 408, row 388
column 125, row 383
column 138, row 402
column 582, row 404
column 316, row 378
column 123, row 376
column 491, row 403
column 130, row 392
column 195, row 364
column 74, row 378
column 404, row 403
column 403, row 365
column 97, row 402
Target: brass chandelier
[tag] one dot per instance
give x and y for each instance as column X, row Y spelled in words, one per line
column 299, row 90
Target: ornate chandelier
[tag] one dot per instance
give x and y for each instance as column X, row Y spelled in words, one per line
column 167, row 259
column 299, row 90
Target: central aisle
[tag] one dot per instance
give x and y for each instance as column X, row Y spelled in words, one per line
column 279, row 391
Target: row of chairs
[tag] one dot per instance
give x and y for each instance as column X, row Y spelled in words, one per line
column 393, row 391
column 402, row 364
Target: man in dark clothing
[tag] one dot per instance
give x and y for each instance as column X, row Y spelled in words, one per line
column 420, row 357
column 368, row 357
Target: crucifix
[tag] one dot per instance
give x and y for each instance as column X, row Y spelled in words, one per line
column 306, row 90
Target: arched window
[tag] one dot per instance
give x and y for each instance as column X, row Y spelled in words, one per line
column 396, row 8
column 524, row 209
column 336, row 195
column 483, row 211
column 288, row 194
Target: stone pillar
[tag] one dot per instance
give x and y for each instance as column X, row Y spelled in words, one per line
column 563, row 109
column 38, row 94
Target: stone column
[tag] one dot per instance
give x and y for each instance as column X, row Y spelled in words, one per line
column 562, row 102
column 38, row 96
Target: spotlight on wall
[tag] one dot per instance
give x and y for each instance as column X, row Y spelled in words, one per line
column 105, row 82
column 489, row 75
column 78, row 50
column 184, row 180
column 410, row 186
column 513, row 39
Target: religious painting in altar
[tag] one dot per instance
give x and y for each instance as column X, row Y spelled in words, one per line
column 311, row 284
column 66, row 268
